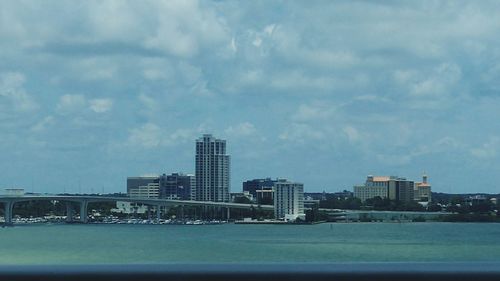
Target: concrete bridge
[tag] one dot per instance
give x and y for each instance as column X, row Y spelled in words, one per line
column 83, row 202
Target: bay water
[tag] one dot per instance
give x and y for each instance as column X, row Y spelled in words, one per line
column 233, row 243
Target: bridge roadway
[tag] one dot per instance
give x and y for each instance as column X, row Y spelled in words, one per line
column 83, row 201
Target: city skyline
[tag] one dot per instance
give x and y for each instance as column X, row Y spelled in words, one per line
column 207, row 141
column 322, row 92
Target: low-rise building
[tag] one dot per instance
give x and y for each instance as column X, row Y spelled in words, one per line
column 373, row 187
column 265, row 196
column 262, row 190
column 392, row 187
column 178, row 186
column 143, row 187
column 476, row 199
column 244, row 194
column 253, row 186
column 129, row 208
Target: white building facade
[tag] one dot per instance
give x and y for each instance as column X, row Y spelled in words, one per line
column 212, row 170
column 364, row 192
column 288, row 200
column 392, row 187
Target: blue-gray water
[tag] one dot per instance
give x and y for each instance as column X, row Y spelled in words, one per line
column 355, row 242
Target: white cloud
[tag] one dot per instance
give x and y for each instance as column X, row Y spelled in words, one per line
column 234, row 48
column 13, row 93
column 244, row 129
column 257, row 42
column 201, row 89
column 154, row 74
column 440, row 82
column 71, row 103
column 150, row 135
column 487, row 150
column 394, row 159
column 446, row 143
column 352, row 133
column 157, row 68
column 96, row 69
column 194, row 79
column 190, row 73
column 251, row 77
column 269, row 29
column 43, row 124
column 437, row 88
column 301, row 133
column 150, row 103
column 115, row 20
column 184, row 28
column 298, row 81
column 294, row 50
column 313, row 111
column 100, row 105
column 404, row 76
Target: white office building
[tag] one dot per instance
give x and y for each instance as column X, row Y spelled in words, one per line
column 288, row 200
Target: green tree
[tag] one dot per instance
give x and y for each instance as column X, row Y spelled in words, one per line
column 482, row 207
column 433, row 207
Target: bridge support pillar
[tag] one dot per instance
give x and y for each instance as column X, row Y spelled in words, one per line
column 84, row 205
column 182, row 212
column 8, row 207
column 69, row 212
column 149, row 212
column 228, row 215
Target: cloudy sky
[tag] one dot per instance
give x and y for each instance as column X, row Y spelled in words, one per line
column 320, row 92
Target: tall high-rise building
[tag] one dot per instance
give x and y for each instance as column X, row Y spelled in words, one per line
column 212, row 170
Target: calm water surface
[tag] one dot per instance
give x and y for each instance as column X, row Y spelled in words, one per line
column 355, row 242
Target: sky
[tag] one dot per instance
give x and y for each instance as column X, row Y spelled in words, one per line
column 319, row 92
